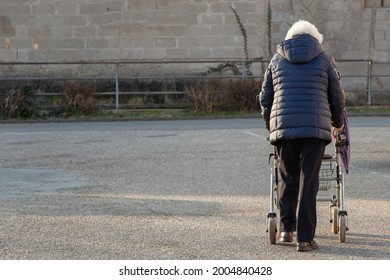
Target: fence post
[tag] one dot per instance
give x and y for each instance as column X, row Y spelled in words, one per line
column 369, row 78
column 116, row 86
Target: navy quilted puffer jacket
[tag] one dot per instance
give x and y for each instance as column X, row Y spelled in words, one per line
column 301, row 95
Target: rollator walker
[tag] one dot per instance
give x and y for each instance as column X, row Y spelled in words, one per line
column 331, row 180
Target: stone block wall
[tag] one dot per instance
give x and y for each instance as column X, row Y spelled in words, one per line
column 352, row 29
column 74, row 30
column 57, row 30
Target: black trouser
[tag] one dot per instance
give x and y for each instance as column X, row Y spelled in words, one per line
column 300, row 163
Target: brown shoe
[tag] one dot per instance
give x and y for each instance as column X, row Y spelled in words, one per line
column 286, row 236
column 307, row 246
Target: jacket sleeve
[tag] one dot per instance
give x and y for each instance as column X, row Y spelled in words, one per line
column 335, row 96
column 267, row 97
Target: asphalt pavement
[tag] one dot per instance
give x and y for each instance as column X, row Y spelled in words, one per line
column 189, row 189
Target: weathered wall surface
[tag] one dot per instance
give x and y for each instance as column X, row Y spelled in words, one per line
column 34, row 30
column 353, row 29
column 57, row 30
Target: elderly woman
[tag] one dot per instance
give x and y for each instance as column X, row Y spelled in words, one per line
column 301, row 99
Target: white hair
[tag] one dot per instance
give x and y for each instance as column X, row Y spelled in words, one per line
column 304, row 27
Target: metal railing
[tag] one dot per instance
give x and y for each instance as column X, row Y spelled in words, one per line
column 377, row 80
column 257, row 66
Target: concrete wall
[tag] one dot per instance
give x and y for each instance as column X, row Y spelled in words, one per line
column 52, row 30
column 351, row 29
column 57, row 30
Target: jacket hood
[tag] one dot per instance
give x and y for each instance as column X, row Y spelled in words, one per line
column 301, row 48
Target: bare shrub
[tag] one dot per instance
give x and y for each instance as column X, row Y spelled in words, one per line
column 380, row 99
column 201, row 95
column 18, row 103
column 241, row 95
column 79, row 97
column 230, row 95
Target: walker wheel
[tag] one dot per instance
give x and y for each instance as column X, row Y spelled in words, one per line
column 335, row 220
column 343, row 228
column 271, row 230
